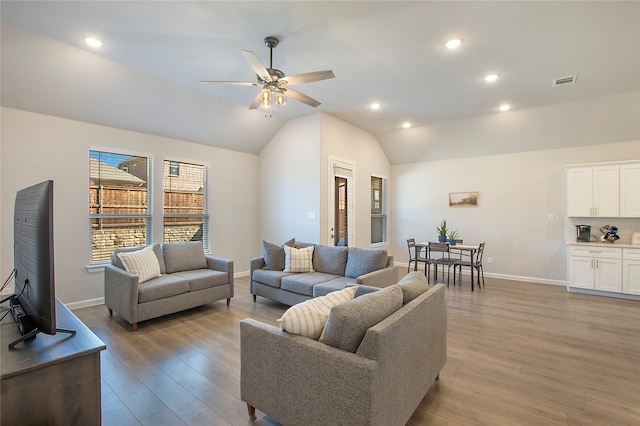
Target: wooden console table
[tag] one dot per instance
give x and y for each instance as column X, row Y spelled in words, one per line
column 51, row 379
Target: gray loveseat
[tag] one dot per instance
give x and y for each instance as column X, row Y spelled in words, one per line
column 334, row 268
column 187, row 278
column 298, row 380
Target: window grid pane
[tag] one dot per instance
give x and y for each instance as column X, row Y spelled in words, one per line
column 378, row 211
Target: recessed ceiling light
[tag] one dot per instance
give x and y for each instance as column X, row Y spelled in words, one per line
column 453, row 43
column 505, row 107
column 93, row 42
column 375, row 106
column 490, row 78
column 406, row 124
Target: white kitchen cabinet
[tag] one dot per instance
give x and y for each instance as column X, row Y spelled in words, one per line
column 631, row 271
column 595, row 268
column 630, row 190
column 593, row 191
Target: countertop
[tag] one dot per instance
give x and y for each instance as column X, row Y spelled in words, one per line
column 617, row 244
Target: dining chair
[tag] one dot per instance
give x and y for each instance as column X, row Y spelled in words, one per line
column 471, row 263
column 415, row 257
column 439, row 254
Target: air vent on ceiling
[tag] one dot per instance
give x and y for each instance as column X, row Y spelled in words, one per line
column 564, row 80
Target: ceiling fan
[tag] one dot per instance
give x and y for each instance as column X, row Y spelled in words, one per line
column 275, row 85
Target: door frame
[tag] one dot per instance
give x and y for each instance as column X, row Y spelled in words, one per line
column 351, row 194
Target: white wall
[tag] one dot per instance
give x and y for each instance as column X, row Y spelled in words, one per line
column 517, row 193
column 289, row 183
column 345, row 141
column 38, row 147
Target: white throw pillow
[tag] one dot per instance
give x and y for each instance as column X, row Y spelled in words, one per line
column 142, row 263
column 298, row 260
column 309, row 317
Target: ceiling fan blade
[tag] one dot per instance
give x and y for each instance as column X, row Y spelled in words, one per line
column 256, row 101
column 235, row 83
column 301, row 97
column 308, row 77
column 257, row 65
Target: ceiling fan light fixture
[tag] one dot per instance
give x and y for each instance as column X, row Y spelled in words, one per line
column 281, row 99
column 265, row 98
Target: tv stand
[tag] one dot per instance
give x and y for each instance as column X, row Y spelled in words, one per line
column 52, row 379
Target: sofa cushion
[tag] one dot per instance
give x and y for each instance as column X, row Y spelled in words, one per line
column 335, row 284
column 162, row 287
column 331, row 260
column 362, row 261
column 348, row 322
column 298, row 260
column 183, row 256
column 309, row 317
column 274, row 254
column 270, row 278
column 142, row 263
column 413, row 285
column 200, row 279
column 304, row 283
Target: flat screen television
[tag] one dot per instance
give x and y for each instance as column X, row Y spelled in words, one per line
column 33, row 304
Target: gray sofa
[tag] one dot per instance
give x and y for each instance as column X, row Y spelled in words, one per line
column 298, row 380
column 187, row 278
column 334, row 269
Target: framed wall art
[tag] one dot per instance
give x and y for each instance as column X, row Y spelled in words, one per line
column 463, row 199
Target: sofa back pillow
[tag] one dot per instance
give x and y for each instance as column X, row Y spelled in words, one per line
column 298, row 260
column 413, row 285
column 348, row 322
column 184, row 256
column 330, row 260
column 142, row 263
column 157, row 249
column 273, row 254
column 361, row 261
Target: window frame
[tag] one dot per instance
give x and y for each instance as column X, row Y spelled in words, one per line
column 205, row 215
column 381, row 210
column 147, row 217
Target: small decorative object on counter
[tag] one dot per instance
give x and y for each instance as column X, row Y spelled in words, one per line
column 610, row 233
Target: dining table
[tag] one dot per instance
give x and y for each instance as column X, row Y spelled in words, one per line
column 470, row 249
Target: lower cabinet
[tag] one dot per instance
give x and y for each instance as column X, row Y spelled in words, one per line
column 631, row 271
column 595, row 268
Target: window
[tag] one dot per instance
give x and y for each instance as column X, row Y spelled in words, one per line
column 118, row 203
column 378, row 210
column 174, row 168
column 186, row 215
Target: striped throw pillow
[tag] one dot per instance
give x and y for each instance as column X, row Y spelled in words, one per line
column 309, row 317
column 298, row 260
column 142, row 263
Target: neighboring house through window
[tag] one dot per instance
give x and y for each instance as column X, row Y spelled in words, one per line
column 186, row 215
column 119, row 210
column 378, row 210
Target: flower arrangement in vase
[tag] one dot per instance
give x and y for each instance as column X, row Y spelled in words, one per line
column 442, row 231
column 453, row 236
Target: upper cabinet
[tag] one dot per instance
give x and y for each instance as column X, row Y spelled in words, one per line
column 604, row 190
column 630, row 190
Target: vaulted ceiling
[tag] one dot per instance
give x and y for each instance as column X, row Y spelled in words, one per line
column 146, row 76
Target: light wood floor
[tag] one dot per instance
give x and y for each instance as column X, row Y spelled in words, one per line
column 518, row 354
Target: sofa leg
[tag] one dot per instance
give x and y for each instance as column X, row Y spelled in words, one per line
column 252, row 411
column 254, row 298
column 110, row 312
column 438, row 377
column 228, row 301
column 134, row 326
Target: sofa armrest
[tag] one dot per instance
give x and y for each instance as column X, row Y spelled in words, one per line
column 294, row 378
column 121, row 292
column 254, row 263
column 380, row 278
column 222, row 265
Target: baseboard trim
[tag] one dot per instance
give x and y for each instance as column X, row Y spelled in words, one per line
column 85, row 303
column 506, row 277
